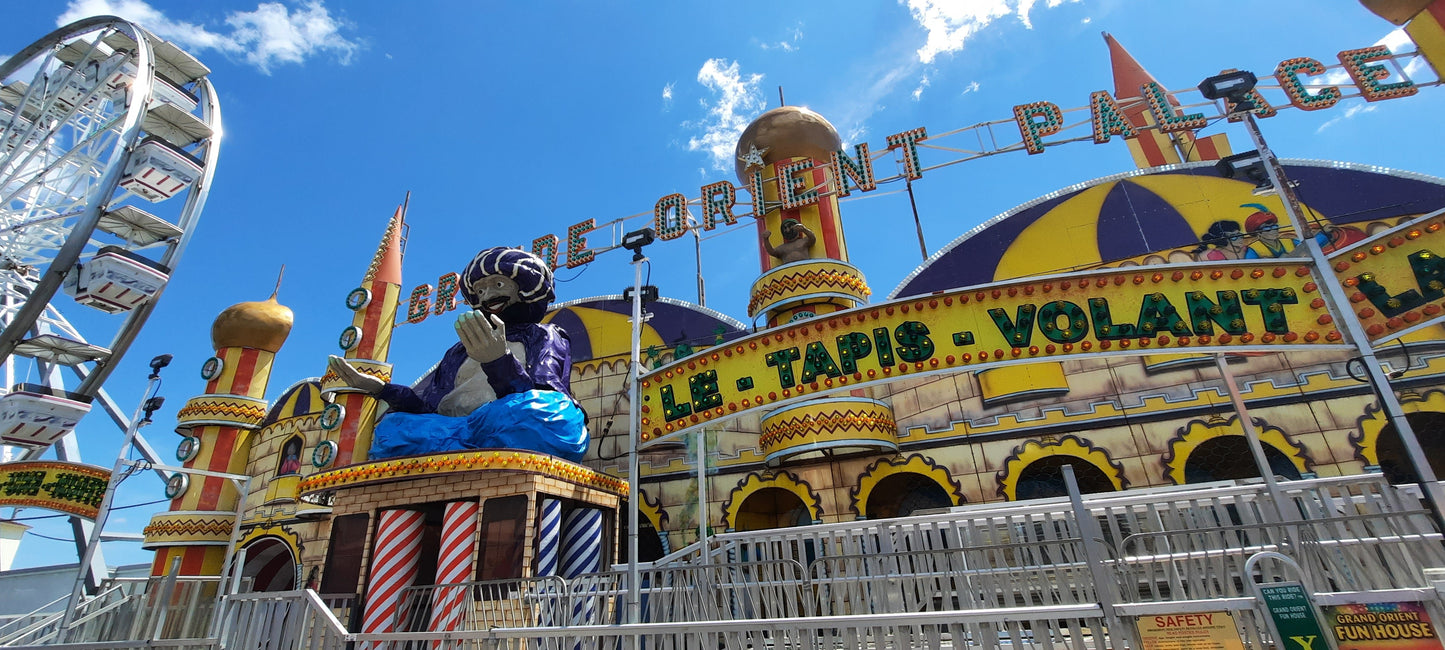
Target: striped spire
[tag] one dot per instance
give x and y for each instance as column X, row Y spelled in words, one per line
column 393, row 567
column 454, row 565
column 1152, row 147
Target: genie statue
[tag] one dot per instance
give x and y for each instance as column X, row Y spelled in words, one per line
column 505, row 384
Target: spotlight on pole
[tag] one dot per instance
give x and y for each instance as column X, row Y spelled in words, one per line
column 1246, row 166
column 635, row 240
column 1233, row 87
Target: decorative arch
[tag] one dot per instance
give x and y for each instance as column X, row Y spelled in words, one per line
column 914, row 464
column 1069, row 445
column 1366, row 436
column 757, row 482
column 1196, row 433
column 272, row 560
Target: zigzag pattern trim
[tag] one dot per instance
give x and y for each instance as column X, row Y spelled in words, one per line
column 189, row 528
column 381, row 373
column 867, row 422
column 808, row 280
column 234, row 410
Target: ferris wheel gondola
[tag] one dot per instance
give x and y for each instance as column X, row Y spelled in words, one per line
column 108, row 143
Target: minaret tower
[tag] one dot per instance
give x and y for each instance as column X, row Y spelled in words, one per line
column 218, row 427
column 785, row 157
column 1154, row 147
column 367, row 341
column 792, row 144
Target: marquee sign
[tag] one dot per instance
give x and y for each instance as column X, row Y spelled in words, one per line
column 1396, row 279
column 67, row 487
column 1255, row 305
column 1373, row 71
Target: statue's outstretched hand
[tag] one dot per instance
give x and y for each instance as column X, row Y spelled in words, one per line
column 351, row 377
column 483, row 335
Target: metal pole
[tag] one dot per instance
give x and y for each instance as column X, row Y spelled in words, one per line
column 1335, row 294
column 634, row 419
column 1250, row 433
column 697, row 253
column 702, row 494
column 103, row 512
column 1091, row 537
column 917, row 225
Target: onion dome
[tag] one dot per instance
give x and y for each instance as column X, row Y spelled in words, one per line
column 1396, row 11
column 262, row 325
column 787, row 132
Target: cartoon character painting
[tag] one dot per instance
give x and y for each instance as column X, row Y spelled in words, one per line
column 505, row 384
column 1223, row 241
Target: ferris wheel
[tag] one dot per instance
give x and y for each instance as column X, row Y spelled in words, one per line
column 108, row 142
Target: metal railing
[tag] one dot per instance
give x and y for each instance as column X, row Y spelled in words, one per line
column 282, row 620
column 1017, row 576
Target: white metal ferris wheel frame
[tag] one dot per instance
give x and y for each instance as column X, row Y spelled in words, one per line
column 64, row 200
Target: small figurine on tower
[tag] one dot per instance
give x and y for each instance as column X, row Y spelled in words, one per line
column 505, row 384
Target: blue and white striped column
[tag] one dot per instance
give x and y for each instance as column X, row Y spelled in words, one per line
column 549, row 535
column 581, row 555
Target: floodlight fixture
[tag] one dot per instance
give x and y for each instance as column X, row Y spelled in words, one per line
column 635, row 240
column 1246, row 166
column 1233, row 87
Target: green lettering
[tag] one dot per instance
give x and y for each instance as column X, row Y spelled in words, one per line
column 671, row 410
column 817, row 361
column 1271, row 307
column 1158, row 316
column 1018, row 331
column 852, row 347
column 913, row 342
column 1104, row 327
column 703, row 387
column 1205, row 314
column 883, row 345
column 1074, row 328
column 783, row 361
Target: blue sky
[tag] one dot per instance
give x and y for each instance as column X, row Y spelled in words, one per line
column 509, row 121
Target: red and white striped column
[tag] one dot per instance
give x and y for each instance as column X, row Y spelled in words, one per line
column 393, row 567
column 454, row 565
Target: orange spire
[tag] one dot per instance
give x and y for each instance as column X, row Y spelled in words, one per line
column 1128, row 74
column 386, row 265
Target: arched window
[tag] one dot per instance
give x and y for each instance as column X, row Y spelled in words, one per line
column 1045, row 478
column 290, row 457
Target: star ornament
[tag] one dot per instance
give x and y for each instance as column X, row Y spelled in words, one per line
column 754, row 156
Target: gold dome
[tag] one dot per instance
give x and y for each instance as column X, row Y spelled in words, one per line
column 787, row 132
column 1396, row 11
column 261, row 325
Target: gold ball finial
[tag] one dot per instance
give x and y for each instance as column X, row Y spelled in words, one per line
column 786, row 132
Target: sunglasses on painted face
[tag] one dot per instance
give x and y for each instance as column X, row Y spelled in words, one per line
column 1234, row 236
column 1269, row 227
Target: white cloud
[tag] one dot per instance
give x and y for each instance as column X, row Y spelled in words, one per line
column 1349, row 112
column 736, row 100
column 972, row 87
column 950, row 23
column 667, row 96
column 787, row 45
column 918, row 92
column 270, row 35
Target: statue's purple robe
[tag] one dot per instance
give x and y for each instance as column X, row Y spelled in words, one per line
column 534, row 408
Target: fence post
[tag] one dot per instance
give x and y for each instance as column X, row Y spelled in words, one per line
column 1093, row 541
